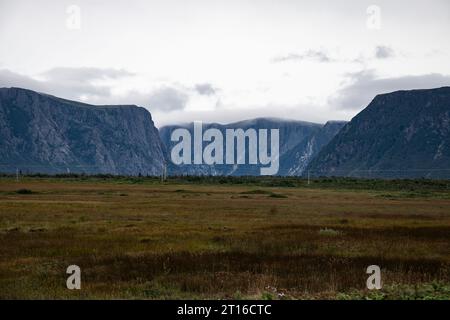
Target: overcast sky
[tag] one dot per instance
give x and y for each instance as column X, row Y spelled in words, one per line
column 226, row 60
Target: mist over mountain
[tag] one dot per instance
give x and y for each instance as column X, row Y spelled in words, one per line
column 46, row 134
column 400, row 134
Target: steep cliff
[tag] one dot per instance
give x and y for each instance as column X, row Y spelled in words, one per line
column 299, row 142
column 404, row 134
column 46, row 134
column 297, row 159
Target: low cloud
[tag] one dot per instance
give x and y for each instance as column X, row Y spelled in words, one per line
column 85, row 84
column 12, row 79
column 322, row 56
column 365, row 85
column 84, row 74
column 205, row 89
column 168, row 99
column 384, row 52
column 69, row 83
column 315, row 55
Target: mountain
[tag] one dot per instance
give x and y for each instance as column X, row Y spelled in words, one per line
column 403, row 134
column 299, row 142
column 46, row 134
column 297, row 159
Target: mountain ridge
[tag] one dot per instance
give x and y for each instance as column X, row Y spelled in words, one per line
column 47, row 134
column 404, row 133
column 292, row 134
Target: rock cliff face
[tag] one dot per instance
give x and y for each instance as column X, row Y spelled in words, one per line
column 46, row 134
column 298, row 158
column 299, row 143
column 404, row 134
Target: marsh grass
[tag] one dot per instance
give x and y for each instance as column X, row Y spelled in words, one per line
column 24, row 191
column 203, row 240
column 329, row 232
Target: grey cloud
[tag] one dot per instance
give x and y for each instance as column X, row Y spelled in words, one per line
column 205, row 89
column 75, row 83
column 365, row 86
column 84, row 74
column 167, row 99
column 384, row 52
column 12, row 79
column 69, row 83
column 316, row 55
column 380, row 52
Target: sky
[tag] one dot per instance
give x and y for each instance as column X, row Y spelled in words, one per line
column 224, row 61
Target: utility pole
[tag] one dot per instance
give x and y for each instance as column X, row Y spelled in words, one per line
column 164, row 173
column 17, row 174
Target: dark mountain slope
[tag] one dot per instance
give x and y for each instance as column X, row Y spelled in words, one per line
column 400, row 134
column 297, row 159
column 291, row 133
column 42, row 133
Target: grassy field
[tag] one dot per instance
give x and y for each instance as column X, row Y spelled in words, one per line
column 223, row 238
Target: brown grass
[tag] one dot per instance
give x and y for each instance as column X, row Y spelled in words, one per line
column 214, row 241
